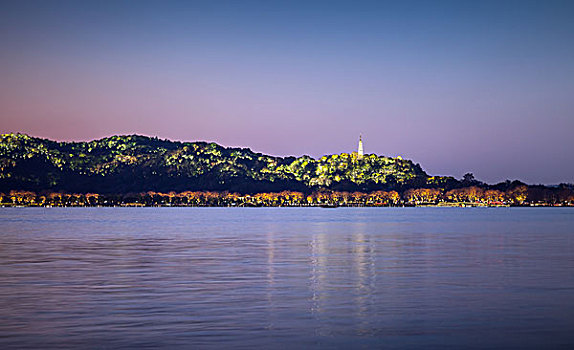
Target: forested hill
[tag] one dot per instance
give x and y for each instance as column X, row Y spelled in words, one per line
column 124, row 164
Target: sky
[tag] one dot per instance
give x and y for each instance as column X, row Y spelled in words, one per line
column 458, row 86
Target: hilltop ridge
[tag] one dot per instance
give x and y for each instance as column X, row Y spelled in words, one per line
column 135, row 163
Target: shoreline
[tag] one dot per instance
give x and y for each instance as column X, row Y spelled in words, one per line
column 440, row 205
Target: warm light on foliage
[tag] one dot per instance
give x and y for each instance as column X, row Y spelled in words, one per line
column 520, row 195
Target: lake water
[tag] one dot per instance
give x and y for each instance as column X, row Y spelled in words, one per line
column 286, row 278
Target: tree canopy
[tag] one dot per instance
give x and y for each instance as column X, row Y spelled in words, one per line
column 134, row 163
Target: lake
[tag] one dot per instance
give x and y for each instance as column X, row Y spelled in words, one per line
column 182, row 278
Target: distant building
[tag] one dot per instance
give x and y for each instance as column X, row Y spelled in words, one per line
column 360, row 151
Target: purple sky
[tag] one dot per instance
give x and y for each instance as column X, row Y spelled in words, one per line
column 457, row 86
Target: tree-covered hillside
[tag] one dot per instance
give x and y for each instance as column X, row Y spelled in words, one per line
column 123, row 164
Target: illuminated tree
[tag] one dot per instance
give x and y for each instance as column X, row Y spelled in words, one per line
column 518, row 194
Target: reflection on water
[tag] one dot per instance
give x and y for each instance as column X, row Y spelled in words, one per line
column 251, row 278
column 363, row 251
